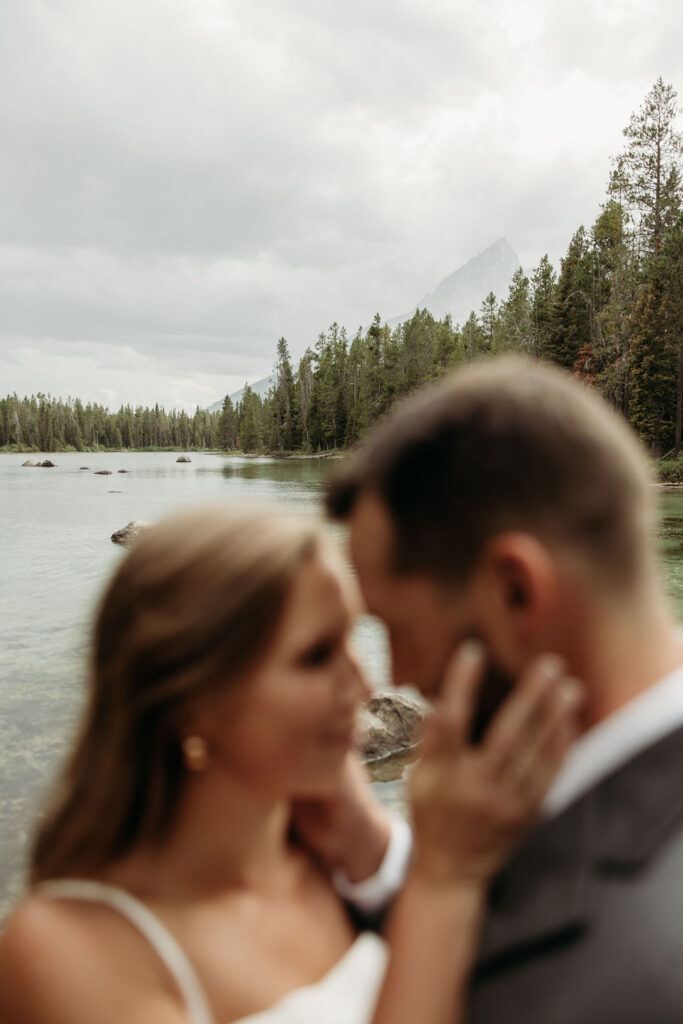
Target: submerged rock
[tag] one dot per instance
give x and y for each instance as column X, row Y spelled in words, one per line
column 130, row 532
column 389, row 724
column 102, row 472
column 122, row 471
column 84, row 467
column 183, row 458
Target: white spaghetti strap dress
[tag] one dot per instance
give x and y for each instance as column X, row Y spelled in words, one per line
column 347, row 994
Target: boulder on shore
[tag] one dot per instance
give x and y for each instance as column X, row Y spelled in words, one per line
column 183, row 458
column 130, row 532
column 389, row 724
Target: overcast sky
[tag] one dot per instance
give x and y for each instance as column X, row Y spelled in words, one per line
column 183, row 181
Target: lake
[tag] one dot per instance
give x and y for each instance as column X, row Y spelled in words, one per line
column 56, row 553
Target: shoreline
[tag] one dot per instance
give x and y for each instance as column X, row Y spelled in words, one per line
column 298, row 456
column 335, row 455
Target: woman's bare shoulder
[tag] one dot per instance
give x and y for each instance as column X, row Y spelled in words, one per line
column 62, row 961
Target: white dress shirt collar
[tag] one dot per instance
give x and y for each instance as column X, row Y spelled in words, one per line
column 646, row 719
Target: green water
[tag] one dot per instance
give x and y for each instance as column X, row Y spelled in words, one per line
column 56, row 554
column 670, row 535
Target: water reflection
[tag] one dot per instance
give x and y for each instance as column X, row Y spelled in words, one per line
column 670, row 543
column 310, row 472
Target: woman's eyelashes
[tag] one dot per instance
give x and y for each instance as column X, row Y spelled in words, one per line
column 319, row 653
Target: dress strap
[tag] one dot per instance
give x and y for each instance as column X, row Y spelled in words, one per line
column 150, row 926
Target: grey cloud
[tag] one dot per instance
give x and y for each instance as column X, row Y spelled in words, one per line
column 199, row 176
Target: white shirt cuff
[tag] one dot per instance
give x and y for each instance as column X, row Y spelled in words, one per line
column 378, row 890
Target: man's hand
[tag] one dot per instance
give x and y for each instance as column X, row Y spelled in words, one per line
column 348, row 832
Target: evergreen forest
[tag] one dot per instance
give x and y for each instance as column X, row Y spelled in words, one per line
column 612, row 315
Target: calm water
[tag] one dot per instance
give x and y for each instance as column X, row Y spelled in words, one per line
column 55, row 554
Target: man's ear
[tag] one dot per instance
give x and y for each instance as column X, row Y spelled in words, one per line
column 521, row 583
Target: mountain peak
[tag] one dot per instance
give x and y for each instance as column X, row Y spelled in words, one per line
column 465, row 288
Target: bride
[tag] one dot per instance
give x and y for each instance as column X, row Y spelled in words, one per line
column 167, row 883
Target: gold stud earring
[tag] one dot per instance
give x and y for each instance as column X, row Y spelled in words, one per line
column 195, row 753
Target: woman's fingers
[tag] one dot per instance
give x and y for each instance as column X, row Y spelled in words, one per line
column 528, row 703
column 449, row 726
column 546, row 740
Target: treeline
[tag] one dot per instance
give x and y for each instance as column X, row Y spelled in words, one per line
column 48, row 424
column 613, row 315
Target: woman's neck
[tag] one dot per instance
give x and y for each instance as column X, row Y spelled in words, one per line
column 225, row 836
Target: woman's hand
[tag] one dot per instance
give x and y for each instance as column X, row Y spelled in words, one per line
column 472, row 803
column 349, row 831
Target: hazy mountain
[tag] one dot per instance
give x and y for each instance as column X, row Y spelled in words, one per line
column 466, row 288
column 458, row 294
column 261, row 387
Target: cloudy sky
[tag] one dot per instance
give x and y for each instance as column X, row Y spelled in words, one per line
column 183, row 181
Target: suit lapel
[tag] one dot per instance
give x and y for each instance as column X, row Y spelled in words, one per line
column 547, row 893
column 543, row 893
column 640, row 805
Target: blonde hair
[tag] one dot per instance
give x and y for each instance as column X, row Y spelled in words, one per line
column 190, row 611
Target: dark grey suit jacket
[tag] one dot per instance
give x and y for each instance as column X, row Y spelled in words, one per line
column 585, row 925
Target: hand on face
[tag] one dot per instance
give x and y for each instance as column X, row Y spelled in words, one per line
column 349, row 830
column 472, row 803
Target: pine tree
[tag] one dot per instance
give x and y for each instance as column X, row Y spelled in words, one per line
column 671, row 270
column 649, row 168
column 250, row 421
column 614, row 288
column 304, row 396
column 515, row 316
column 543, row 284
column 447, row 349
column 653, row 368
column 474, row 340
column 570, row 327
column 283, row 399
column 418, row 342
column 489, row 322
column 227, row 430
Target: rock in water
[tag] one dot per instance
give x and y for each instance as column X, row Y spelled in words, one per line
column 122, row 471
column 130, row 532
column 102, row 472
column 84, row 467
column 389, row 724
column 31, row 462
column 183, row 458
column 47, row 464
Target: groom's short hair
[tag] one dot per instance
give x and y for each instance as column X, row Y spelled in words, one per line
column 506, row 444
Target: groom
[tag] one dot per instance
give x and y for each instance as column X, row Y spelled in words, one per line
column 509, row 503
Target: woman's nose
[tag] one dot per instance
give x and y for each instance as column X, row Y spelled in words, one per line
column 357, row 684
